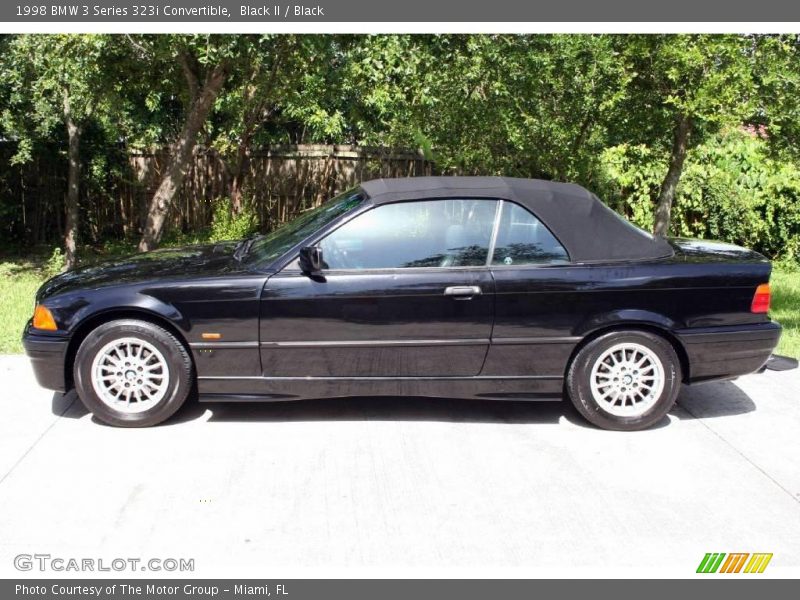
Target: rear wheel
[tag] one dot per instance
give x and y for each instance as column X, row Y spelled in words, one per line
column 624, row 380
column 132, row 373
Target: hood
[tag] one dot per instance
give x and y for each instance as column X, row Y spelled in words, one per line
column 170, row 263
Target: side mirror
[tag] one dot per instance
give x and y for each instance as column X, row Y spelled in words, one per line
column 311, row 259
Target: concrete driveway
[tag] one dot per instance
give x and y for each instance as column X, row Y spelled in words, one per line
column 358, row 486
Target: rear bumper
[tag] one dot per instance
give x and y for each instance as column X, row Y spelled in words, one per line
column 728, row 352
column 47, row 354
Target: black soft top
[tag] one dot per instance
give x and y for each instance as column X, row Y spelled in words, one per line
column 588, row 229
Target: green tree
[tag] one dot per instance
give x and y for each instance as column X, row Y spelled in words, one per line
column 777, row 71
column 230, row 88
column 532, row 106
column 683, row 88
column 56, row 82
column 286, row 90
column 197, row 66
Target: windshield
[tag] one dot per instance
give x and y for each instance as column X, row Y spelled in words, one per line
column 275, row 243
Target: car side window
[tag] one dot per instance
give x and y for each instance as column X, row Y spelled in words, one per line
column 522, row 239
column 426, row 233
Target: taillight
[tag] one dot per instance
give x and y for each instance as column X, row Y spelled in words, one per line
column 761, row 299
column 43, row 318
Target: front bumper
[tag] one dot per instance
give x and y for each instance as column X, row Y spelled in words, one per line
column 47, row 354
column 728, row 352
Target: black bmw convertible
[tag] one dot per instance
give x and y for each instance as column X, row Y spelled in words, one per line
column 469, row 287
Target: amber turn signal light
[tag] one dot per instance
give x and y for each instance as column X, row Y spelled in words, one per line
column 761, row 299
column 43, row 318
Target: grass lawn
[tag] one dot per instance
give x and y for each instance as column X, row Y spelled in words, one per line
column 20, row 278
column 786, row 310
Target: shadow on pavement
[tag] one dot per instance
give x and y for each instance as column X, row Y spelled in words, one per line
column 395, row 409
column 710, row 400
column 68, row 405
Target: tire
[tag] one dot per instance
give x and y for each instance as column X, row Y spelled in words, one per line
column 612, row 392
column 154, row 379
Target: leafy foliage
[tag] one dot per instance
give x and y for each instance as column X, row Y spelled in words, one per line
column 732, row 189
column 600, row 110
column 55, row 264
column 226, row 225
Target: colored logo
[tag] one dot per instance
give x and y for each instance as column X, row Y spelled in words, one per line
column 736, row 562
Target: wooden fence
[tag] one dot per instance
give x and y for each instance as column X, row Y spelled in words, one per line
column 278, row 183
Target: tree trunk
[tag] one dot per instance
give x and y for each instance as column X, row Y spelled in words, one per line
column 73, row 181
column 256, row 97
column 181, row 155
column 666, row 195
column 237, row 180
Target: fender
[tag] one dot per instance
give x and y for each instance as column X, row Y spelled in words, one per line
column 624, row 317
column 72, row 313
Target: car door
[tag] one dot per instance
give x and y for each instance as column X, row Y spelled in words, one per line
column 405, row 291
column 537, row 303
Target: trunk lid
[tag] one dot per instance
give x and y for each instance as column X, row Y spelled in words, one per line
column 710, row 251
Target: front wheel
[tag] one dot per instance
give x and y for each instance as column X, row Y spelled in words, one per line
column 624, row 380
column 132, row 373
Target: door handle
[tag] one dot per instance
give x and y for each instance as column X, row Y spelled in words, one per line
column 462, row 291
